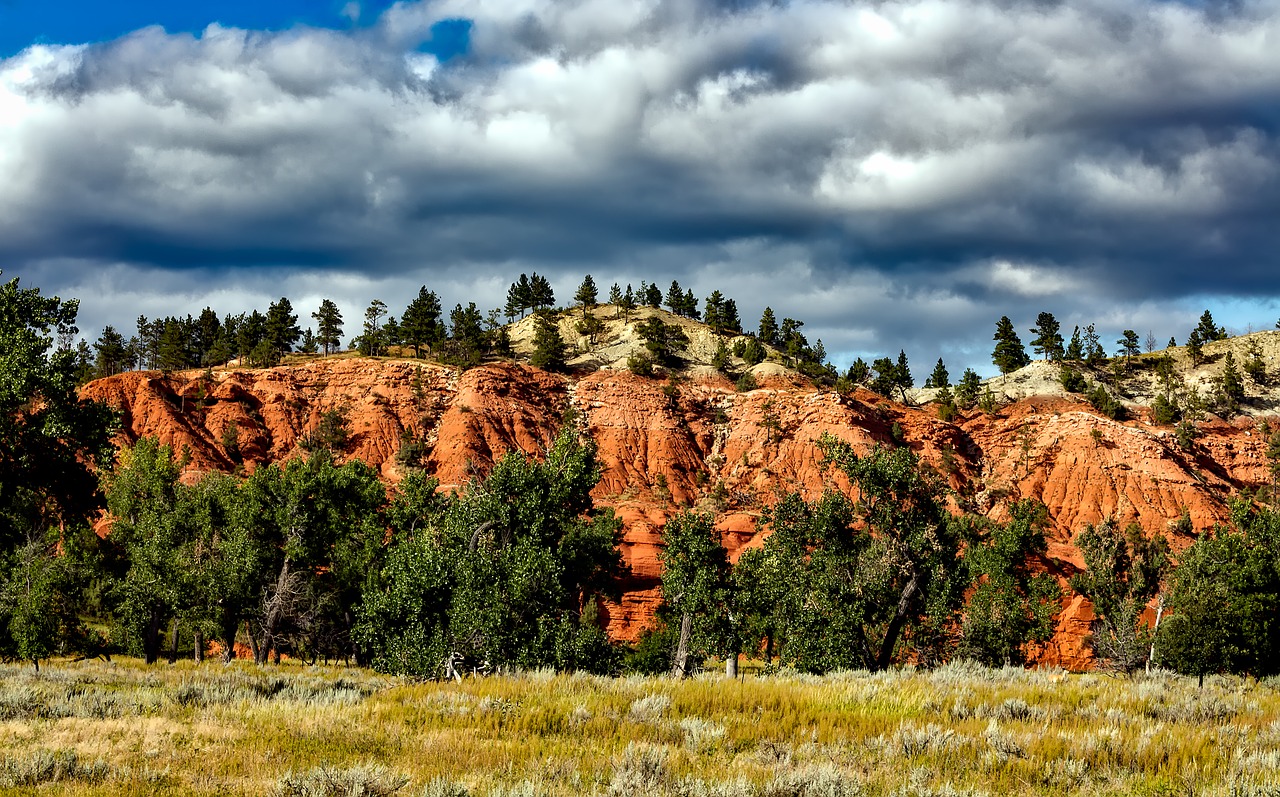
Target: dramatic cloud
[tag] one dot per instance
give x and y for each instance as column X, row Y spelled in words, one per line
column 897, row 174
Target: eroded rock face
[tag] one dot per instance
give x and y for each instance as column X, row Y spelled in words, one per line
column 701, row 444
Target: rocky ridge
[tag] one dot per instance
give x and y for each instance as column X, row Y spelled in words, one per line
column 705, row 445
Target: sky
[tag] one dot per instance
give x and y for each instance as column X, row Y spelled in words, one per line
column 896, row 174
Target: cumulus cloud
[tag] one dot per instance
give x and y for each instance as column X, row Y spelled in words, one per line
column 896, row 174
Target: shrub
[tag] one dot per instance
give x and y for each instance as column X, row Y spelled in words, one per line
column 640, row 365
column 362, row 780
column 746, row 383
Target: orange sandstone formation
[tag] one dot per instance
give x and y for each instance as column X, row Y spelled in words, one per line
column 702, row 444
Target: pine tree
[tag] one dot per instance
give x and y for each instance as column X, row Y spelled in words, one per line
column 939, row 377
column 111, row 352
column 328, row 326
column 1048, row 340
column 421, row 325
column 690, row 305
column 615, row 299
column 729, row 316
column 1009, row 355
column 519, row 297
column 859, row 373
column 1129, row 346
column 675, row 298
column 768, row 328
column 282, row 330
column 1094, row 354
column 548, row 346
column 1209, row 331
column 371, row 340
column 713, row 312
column 968, row 389
column 540, row 293
column 651, row 295
column 1075, row 349
column 1232, row 384
column 586, row 294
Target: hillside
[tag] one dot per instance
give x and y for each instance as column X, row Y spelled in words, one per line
column 707, row 445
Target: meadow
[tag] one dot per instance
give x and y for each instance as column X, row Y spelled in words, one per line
column 87, row 728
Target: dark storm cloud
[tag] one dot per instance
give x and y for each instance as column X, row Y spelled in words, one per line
column 897, row 174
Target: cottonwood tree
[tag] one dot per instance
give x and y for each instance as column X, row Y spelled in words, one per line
column 855, row 578
column 1124, row 570
column 1009, row 606
column 51, row 441
column 697, row 592
column 1224, row 600
column 509, row 573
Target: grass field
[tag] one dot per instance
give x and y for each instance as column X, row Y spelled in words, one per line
column 123, row 728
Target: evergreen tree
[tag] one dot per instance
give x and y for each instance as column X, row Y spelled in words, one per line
column 615, row 299
column 1195, row 347
column 111, row 348
column 1230, row 383
column 768, row 328
column 1009, row 355
column 308, row 344
column 665, row 342
column 1075, row 349
column 519, row 297
column 968, row 389
column 540, row 293
column 281, row 331
column 713, row 314
column 1129, row 346
column 207, row 331
column 372, row 341
column 939, row 377
column 628, row 303
column 548, row 345
column 902, row 375
column 729, row 318
column 675, row 298
column 586, row 294
column 1048, row 340
column 1208, row 330
column 1094, row 354
column 421, row 325
column 690, row 306
column 328, row 326
column 467, row 342
column 859, row 373
column 652, row 295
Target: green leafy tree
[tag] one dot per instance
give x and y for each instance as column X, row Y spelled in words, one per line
column 1008, row 606
column 1123, row 571
column 1224, row 600
column 697, row 591
column 508, row 574
column 1048, row 338
column 1009, row 355
column 51, row 442
column 841, row 585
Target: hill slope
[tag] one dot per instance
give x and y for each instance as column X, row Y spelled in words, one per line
column 706, row 446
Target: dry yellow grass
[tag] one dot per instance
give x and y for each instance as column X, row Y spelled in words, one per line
column 122, row 728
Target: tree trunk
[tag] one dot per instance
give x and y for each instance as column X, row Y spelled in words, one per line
column 151, row 639
column 898, row 622
column 173, row 642
column 680, row 667
column 199, row 646
column 253, row 644
column 229, row 640
column 1151, row 657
